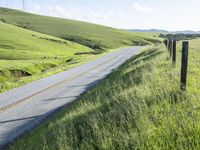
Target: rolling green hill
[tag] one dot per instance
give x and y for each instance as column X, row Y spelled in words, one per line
column 24, row 53
column 20, row 44
column 91, row 35
column 34, row 46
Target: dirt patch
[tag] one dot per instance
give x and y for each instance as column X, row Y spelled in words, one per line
column 20, row 73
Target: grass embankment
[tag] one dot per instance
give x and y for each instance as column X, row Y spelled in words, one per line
column 91, row 35
column 139, row 106
column 25, row 53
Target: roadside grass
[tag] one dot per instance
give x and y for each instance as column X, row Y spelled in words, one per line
column 91, row 35
column 138, row 106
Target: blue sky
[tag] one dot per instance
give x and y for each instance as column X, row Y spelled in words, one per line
column 129, row 14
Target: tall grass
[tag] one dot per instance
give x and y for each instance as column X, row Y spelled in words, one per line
column 139, row 106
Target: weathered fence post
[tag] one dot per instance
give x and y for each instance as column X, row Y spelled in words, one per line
column 184, row 65
column 170, row 48
column 174, row 54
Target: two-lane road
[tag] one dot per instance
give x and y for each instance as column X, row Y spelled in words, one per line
column 24, row 108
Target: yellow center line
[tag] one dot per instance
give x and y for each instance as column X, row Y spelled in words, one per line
column 62, row 82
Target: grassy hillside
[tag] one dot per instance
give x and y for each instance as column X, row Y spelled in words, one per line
column 91, row 35
column 25, row 53
column 143, row 109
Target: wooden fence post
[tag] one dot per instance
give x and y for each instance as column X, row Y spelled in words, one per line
column 184, row 65
column 174, row 54
column 170, row 48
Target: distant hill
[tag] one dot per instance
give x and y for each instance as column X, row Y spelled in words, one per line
column 149, row 30
column 165, row 31
column 88, row 34
column 186, row 32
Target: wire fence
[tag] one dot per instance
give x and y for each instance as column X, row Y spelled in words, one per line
column 171, row 47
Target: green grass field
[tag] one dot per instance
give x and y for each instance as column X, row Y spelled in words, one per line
column 94, row 36
column 34, row 46
column 138, row 106
column 25, row 53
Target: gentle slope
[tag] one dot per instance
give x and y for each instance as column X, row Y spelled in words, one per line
column 91, row 35
column 24, row 53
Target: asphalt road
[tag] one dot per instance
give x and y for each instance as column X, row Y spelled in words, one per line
column 24, row 108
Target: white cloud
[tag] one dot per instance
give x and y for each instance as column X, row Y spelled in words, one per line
column 35, row 8
column 72, row 12
column 60, row 9
column 142, row 8
column 94, row 15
